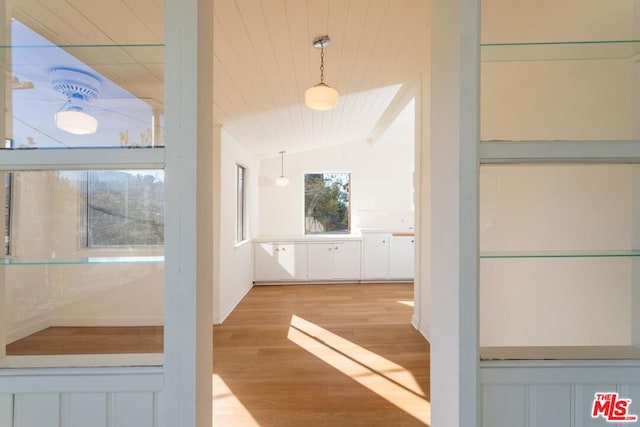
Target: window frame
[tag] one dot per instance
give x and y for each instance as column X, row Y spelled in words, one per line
column 241, row 203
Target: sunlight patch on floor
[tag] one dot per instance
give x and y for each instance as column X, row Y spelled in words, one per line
column 408, row 303
column 385, row 378
column 227, row 408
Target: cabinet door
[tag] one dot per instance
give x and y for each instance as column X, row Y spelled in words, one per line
column 292, row 261
column 376, row 255
column 401, row 257
column 320, row 261
column 266, row 262
column 346, row 261
column 280, row 261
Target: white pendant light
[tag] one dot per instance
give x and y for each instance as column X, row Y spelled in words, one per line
column 282, row 181
column 321, row 96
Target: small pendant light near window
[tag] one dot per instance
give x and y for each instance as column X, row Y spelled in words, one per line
column 321, row 96
column 282, row 181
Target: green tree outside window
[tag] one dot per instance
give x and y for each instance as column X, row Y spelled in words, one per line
column 327, row 203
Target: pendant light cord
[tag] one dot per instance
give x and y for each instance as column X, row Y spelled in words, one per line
column 282, row 163
column 322, row 64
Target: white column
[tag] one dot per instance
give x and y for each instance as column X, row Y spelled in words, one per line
column 454, row 212
column 186, row 398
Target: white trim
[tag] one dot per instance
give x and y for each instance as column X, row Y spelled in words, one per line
column 80, row 380
column 106, row 322
column 218, row 320
column 82, row 158
column 425, row 330
column 29, row 327
column 242, row 243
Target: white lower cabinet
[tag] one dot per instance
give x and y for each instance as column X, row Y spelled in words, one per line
column 375, row 261
column 401, row 257
column 333, row 261
column 388, row 256
column 280, row 261
column 377, row 256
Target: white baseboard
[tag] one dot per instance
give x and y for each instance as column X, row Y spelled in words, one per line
column 107, row 321
column 219, row 319
column 29, row 327
column 421, row 327
column 46, row 321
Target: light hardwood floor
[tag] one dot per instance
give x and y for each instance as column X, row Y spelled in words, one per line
column 303, row 355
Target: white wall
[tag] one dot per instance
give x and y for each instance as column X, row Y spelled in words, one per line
column 381, row 186
column 236, row 260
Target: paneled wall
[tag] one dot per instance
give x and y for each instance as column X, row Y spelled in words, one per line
column 96, row 397
column 553, row 393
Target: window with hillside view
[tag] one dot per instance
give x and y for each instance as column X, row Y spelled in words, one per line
column 241, row 197
column 125, row 208
column 326, row 203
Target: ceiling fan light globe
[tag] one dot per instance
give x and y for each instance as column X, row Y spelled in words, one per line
column 76, row 122
column 282, row 181
column 321, row 97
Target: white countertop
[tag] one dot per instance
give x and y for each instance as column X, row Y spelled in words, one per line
column 309, row 238
column 331, row 237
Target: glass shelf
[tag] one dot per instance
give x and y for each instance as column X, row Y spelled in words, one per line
column 84, row 261
column 560, row 254
column 560, row 50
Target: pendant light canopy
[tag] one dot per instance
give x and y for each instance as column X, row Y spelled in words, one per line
column 321, row 96
column 282, row 181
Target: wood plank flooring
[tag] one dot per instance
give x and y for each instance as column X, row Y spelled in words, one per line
column 321, row 355
column 303, row 355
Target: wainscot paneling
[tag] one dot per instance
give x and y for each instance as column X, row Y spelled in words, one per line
column 554, row 393
column 79, row 397
column 84, row 409
column 37, row 410
column 6, row 410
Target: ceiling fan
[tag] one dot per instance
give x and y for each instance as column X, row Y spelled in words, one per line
column 79, row 88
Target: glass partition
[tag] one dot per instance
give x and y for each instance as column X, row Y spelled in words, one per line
column 82, row 95
column 85, row 264
column 559, row 262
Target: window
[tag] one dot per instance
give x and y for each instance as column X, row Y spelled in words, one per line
column 125, row 208
column 8, row 177
column 326, row 203
column 241, row 195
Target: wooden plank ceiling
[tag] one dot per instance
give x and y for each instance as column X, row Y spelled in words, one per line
column 264, row 59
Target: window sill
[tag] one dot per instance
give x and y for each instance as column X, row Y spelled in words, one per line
column 242, row 243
